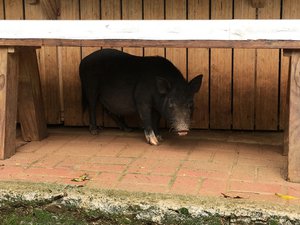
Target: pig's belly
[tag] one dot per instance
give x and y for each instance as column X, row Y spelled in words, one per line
column 119, row 103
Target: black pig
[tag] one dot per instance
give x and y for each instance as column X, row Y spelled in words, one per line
column 127, row 84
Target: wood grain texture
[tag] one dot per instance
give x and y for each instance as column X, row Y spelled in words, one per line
column 221, row 74
column 290, row 10
column 176, row 10
column 14, row 9
column 154, row 10
column 198, row 63
column 69, row 63
column 110, row 10
column 48, row 69
column 9, row 69
column 266, row 102
column 1, row 10
column 244, row 71
column 294, row 122
column 30, row 101
column 90, row 10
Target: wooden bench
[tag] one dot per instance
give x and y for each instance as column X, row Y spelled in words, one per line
column 19, row 39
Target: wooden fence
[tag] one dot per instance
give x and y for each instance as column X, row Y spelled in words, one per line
column 243, row 89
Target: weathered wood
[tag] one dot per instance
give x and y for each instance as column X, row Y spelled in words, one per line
column 244, row 70
column 258, row 3
column 48, row 68
column 30, row 103
column 154, row 10
column 9, row 69
column 221, row 74
column 110, row 10
column 1, row 10
column 70, row 59
column 267, row 77
column 293, row 142
column 50, row 8
column 245, row 33
column 90, row 10
column 198, row 63
column 132, row 10
column 290, row 10
column 13, row 10
column 176, row 9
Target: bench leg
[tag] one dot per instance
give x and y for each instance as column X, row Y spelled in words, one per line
column 9, row 68
column 30, row 102
column 292, row 135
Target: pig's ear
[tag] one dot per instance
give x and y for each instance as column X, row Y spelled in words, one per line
column 163, row 85
column 195, row 83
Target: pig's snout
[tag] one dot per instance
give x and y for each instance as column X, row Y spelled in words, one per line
column 182, row 132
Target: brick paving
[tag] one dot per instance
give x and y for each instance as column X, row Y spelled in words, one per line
column 205, row 163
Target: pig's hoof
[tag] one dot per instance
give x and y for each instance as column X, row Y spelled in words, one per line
column 151, row 138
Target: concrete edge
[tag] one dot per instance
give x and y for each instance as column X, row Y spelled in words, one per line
column 150, row 206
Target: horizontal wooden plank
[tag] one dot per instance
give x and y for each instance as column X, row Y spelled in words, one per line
column 152, row 33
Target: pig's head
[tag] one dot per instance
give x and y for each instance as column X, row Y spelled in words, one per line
column 178, row 103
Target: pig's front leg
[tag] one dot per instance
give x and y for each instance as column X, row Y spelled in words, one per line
column 144, row 111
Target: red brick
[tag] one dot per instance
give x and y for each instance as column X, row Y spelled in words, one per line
column 101, row 168
column 104, row 180
column 256, row 187
column 109, row 160
column 146, row 179
column 244, row 172
column 205, row 155
column 213, row 187
column 111, row 149
column 142, row 165
column 166, row 167
column 10, row 172
column 23, row 159
column 186, row 185
column 166, row 152
column 204, row 169
column 55, row 172
column 270, row 174
column 133, row 151
column 73, row 161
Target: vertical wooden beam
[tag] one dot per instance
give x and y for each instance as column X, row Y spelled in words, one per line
column 221, row 73
column 198, row 63
column 9, row 68
column 30, row 101
column 176, row 10
column 243, row 75
column 110, row 10
column 90, row 10
column 48, row 67
column 293, row 140
column 69, row 64
column 132, row 10
column 290, row 10
column 266, row 101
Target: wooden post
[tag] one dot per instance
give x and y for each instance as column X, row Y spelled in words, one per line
column 8, row 101
column 292, row 133
column 30, row 103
